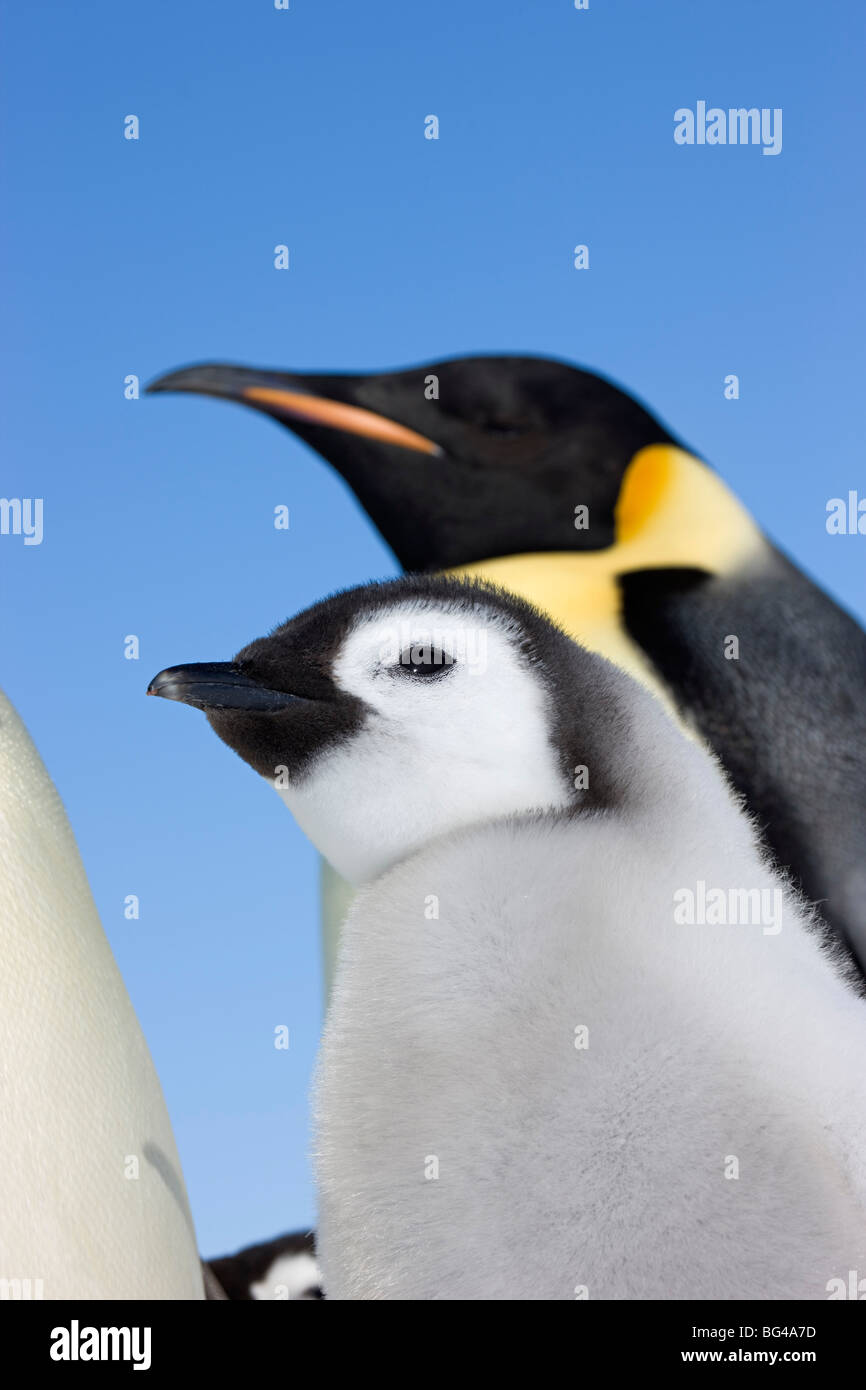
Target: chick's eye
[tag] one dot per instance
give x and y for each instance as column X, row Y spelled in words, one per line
column 424, row 661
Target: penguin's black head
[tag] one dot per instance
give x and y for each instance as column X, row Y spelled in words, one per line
column 394, row 712
column 461, row 460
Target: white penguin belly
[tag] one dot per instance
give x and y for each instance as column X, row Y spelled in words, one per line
column 91, row 1189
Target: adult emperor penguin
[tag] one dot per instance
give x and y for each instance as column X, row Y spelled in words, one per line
column 584, row 1039
column 93, row 1199
column 554, row 483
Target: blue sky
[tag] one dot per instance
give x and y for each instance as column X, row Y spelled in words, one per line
column 305, row 127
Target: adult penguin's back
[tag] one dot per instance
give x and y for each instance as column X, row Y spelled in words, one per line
column 91, row 1190
column 557, row 485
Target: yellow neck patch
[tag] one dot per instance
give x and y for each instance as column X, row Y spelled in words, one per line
column 671, row 511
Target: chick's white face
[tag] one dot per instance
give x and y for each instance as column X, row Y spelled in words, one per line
column 456, row 732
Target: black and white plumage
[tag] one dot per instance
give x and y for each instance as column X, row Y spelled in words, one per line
column 537, row 1079
column 280, row 1270
column 475, row 465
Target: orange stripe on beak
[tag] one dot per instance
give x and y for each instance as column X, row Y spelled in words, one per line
column 350, row 418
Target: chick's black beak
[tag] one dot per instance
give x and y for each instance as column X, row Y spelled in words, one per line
column 211, row 685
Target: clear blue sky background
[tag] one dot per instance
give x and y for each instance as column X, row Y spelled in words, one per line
column 306, row 127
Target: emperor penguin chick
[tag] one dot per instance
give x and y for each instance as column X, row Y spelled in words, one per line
column 584, row 1041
